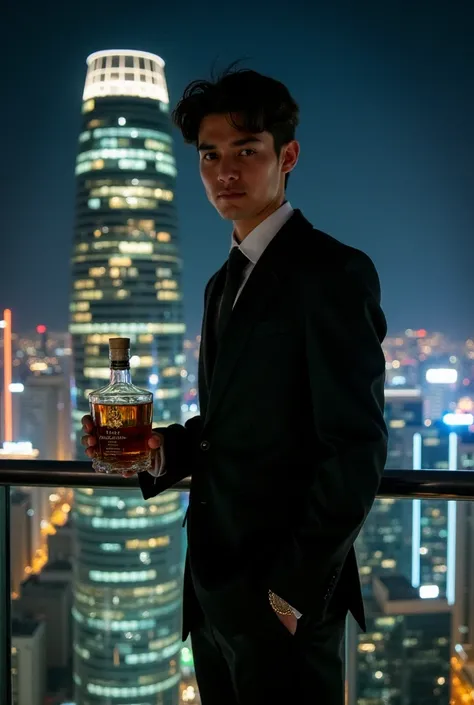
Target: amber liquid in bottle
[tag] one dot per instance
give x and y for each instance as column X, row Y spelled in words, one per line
column 123, row 431
column 122, row 415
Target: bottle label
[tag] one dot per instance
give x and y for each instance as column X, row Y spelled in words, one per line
column 125, row 441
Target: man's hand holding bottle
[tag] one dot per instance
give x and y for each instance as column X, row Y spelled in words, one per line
column 89, row 441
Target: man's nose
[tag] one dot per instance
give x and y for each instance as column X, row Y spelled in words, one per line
column 228, row 173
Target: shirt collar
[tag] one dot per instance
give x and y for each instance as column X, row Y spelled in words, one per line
column 257, row 240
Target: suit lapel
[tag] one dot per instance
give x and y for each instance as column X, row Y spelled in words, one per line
column 208, row 350
column 261, row 287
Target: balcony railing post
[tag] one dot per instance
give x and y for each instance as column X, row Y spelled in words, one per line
column 5, row 611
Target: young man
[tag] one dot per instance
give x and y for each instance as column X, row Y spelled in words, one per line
column 288, row 451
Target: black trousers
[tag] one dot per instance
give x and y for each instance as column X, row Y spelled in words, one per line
column 266, row 664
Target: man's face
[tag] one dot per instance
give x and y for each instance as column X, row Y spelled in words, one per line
column 240, row 171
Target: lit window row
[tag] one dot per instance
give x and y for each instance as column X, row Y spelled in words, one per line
column 88, row 510
column 126, row 165
column 166, row 284
column 84, row 284
column 135, row 248
column 90, row 295
column 137, row 191
column 96, row 372
column 133, row 692
column 120, row 261
column 123, row 328
column 153, row 509
column 168, row 169
column 135, row 84
column 142, row 361
column 97, row 272
column 132, row 132
column 132, row 202
column 171, row 372
column 138, row 523
column 126, row 61
column 132, row 164
column 99, row 340
column 168, row 296
column 152, row 656
column 148, row 154
column 90, row 166
column 123, row 626
column 164, row 272
column 168, row 393
column 114, row 142
column 79, row 306
column 143, row 658
column 159, row 644
column 157, row 542
column 124, row 576
column 82, row 317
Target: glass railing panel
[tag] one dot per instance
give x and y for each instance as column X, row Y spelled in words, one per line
column 416, row 567
column 96, row 585
column 96, row 578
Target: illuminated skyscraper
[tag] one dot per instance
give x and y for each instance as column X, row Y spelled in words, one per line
column 126, row 265
column 127, row 282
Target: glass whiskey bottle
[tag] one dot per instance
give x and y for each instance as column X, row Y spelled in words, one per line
column 122, row 415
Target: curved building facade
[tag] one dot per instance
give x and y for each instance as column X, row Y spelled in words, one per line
column 125, row 264
column 127, row 282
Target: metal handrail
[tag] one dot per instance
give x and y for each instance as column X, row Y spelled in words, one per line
column 402, row 484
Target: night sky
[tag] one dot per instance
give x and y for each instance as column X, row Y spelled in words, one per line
column 386, row 91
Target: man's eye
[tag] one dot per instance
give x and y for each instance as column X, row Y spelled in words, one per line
column 209, row 156
column 247, row 152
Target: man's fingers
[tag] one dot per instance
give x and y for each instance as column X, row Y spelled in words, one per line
column 88, row 441
column 154, row 441
column 90, row 452
column 87, row 423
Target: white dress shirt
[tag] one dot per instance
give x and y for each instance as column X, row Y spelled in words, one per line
column 253, row 246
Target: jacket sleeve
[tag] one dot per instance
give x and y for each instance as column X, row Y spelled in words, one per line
column 344, row 328
column 181, row 444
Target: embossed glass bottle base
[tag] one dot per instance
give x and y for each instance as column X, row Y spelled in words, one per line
column 118, row 467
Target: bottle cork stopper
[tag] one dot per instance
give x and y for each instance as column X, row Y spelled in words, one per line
column 119, row 343
column 119, row 349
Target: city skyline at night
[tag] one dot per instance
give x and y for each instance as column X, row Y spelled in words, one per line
column 107, row 231
column 385, row 96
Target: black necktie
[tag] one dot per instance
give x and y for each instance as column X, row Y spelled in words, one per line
column 235, row 267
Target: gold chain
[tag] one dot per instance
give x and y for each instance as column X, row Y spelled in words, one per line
column 279, row 605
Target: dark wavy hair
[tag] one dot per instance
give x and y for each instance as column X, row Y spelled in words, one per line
column 255, row 103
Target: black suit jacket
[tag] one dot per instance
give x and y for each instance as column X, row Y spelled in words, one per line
column 287, row 454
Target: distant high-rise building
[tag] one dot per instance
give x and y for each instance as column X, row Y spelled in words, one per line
column 384, row 546
column 463, row 609
column 440, row 386
column 52, row 601
column 126, row 263
column 127, row 282
column 28, row 661
column 21, row 532
column 45, row 415
column 404, row 655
